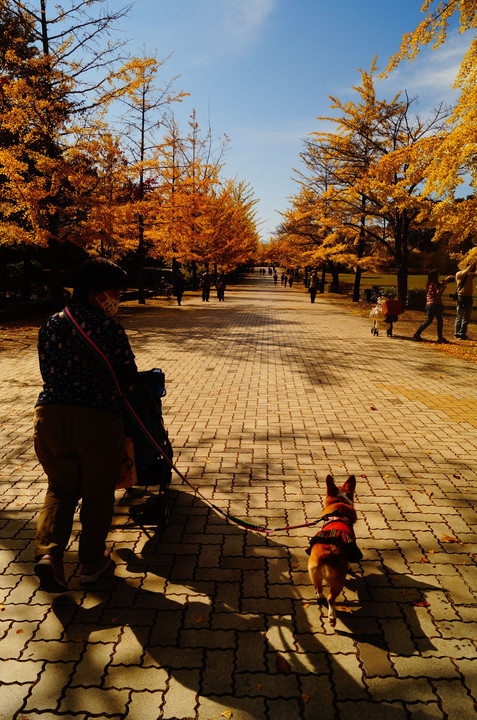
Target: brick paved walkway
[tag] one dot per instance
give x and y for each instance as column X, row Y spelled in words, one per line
column 266, row 395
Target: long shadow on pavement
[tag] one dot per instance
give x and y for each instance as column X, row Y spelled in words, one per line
column 218, row 611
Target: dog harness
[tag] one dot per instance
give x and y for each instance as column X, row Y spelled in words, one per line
column 337, row 531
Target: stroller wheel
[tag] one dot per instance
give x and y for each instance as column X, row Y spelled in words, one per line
column 163, row 516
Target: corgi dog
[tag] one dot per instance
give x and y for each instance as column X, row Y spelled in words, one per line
column 334, row 546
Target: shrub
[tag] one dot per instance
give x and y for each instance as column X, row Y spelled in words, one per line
column 372, row 294
column 416, row 299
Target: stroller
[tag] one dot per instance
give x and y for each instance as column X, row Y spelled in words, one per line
column 151, row 466
column 384, row 314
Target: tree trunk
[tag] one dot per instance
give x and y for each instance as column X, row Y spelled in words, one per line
column 357, row 283
column 402, row 272
column 323, row 280
column 195, row 284
column 335, row 275
column 26, row 280
column 55, row 284
column 360, row 253
column 402, row 255
column 141, row 254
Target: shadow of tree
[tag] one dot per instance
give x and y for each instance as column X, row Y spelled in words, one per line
column 223, row 613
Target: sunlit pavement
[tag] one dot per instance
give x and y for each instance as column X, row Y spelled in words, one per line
column 267, row 393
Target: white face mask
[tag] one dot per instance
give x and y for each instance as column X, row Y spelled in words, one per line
column 108, row 302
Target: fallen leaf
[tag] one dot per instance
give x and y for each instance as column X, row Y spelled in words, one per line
column 20, row 631
column 305, row 698
column 364, row 476
column 421, row 603
column 372, row 407
column 283, row 667
column 306, row 605
column 259, row 686
column 431, row 552
column 457, row 477
column 404, row 593
column 295, row 565
column 449, row 539
column 344, row 608
column 200, row 618
column 423, row 560
column 227, row 714
column 430, row 494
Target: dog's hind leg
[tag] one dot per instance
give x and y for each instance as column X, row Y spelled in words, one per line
column 315, row 576
column 336, row 583
column 331, row 609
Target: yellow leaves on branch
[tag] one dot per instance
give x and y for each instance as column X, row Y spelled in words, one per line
column 434, row 27
column 456, row 151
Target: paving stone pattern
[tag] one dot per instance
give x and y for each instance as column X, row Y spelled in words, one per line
column 267, row 393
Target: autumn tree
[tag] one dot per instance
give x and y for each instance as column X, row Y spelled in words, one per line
column 375, row 193
column 147, row 101
column 232, row 235
column 108, row 220
column 186, row 190
column 50, row 103
column 452, row 152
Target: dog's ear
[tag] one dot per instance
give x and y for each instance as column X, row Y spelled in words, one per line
column 350, row 486
column 331, row 488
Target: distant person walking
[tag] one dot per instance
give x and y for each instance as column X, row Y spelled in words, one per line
column 313, row 286
column 285, row 280
column 205, row 284
column 178, row 286
column 290, row 279
column 220, row 286
column 465, row 288
column 275, row 277
column 434, row 306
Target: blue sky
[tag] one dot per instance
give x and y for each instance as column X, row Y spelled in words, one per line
column 262, row 70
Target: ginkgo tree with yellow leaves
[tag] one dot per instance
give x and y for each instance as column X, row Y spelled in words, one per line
column 452, row 151
column 199, row 217
column 367, row 184
column 52, row 104
column 69, row 177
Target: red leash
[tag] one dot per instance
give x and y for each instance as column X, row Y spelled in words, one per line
column 236, row 521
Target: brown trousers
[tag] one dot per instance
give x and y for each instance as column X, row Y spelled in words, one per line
column 80, row 449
